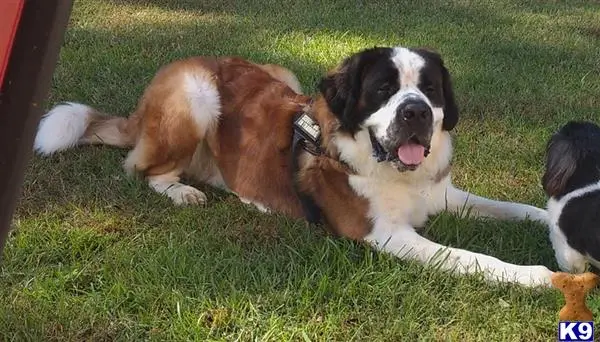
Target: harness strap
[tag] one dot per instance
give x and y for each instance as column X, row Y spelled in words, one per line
column 306, row 137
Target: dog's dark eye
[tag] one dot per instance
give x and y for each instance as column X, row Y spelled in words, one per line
column 430, row 91
column 385, row 89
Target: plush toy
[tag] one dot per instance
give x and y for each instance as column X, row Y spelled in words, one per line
column 575, row 288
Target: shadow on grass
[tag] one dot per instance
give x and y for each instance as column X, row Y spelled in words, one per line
column 497, row 74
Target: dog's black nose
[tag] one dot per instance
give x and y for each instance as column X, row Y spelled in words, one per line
column 417, row 111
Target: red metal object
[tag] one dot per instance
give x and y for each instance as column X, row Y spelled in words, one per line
column 31, row 33
column 10, row 13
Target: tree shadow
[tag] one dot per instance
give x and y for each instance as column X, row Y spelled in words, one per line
column 495, row 76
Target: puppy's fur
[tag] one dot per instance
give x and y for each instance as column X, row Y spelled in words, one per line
column 572, row 181
column 385, row 116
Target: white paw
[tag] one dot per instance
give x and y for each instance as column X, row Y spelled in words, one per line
column 185, row 194
column 533, row 276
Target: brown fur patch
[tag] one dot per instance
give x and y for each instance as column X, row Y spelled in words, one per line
column 168, row 135
column 284, row 75
column 255, row 135
column 326, row 181
column 329, row 125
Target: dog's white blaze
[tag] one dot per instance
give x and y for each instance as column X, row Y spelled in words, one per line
column 409, row 64
column 438, row 115
column 568, row 259
column 384, row 116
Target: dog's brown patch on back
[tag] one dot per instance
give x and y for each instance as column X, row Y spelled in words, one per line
column 255, row 135
column 284, row 75
column 111, row 130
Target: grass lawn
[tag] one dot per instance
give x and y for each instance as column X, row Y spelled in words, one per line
column 98, row 256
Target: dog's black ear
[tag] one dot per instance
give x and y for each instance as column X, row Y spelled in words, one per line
column 342, row 87
column 335, row 90
column 450, row 107
column 561, row 161
column 341, row 90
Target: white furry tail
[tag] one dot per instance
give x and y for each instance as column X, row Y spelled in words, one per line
column 71, row 124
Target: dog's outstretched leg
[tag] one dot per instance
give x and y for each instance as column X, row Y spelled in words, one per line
column 458, row 200
column 404, row 242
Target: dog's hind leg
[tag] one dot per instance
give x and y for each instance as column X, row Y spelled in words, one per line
column 179, row 110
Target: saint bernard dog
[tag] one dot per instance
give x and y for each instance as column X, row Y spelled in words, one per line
column 378, row 166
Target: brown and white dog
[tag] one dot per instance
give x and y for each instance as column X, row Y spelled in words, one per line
column 384, row 116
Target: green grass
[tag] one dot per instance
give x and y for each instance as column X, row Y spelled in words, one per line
column 98, row 256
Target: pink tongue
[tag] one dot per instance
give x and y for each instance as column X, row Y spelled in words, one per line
column 411, row 154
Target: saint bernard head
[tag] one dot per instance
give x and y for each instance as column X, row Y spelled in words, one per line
column 398, row 95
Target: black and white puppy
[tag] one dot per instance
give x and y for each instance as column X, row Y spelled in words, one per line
column 572, row 181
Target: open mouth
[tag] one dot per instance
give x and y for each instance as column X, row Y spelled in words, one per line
column 410, row 153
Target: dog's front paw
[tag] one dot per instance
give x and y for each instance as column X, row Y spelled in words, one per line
column 534, row 276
